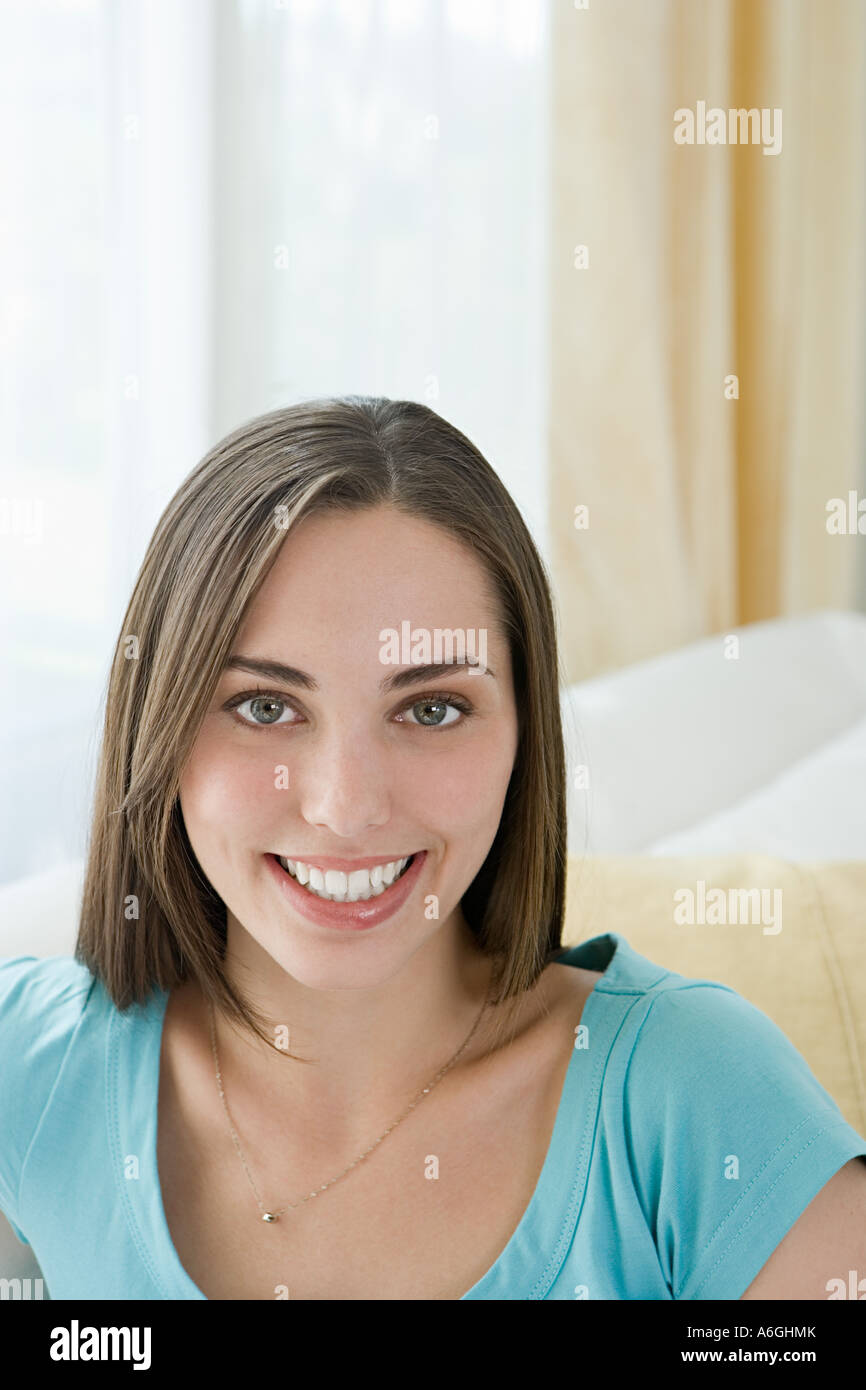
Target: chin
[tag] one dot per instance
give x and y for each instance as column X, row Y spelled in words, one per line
column 336, row 961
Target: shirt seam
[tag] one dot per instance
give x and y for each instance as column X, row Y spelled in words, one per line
column 141, row 1246
column 661, row 989
column 723, row 1255
column 665, row 981
column 557, row 1257
column 688, row 983
column 554, row 1265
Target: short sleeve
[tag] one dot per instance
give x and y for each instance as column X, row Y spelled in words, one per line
column 730, row 1137
column 41, row 1001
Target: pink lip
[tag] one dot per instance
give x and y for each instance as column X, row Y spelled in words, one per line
column 350, row 916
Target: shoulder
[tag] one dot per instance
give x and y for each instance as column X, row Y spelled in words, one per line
column 41, row 1005
column 571, row 984
column 44, row 991
column 698, row 1027
column 703, row 1009
column 731, row 1135
column 560, row 999
column 660, row 1022
column 702, row 1054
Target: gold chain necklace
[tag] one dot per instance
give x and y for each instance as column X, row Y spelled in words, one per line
column 270, row 1216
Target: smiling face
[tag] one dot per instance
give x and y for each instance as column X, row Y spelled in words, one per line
column 349, row 762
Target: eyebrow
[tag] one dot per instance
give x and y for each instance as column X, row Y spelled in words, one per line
column 290, row 675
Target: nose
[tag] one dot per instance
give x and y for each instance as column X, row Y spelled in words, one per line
column 342, row 785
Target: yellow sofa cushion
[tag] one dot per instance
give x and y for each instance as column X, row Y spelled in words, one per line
column 806, row 969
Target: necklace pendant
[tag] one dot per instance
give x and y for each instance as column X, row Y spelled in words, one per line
column 269, row 1216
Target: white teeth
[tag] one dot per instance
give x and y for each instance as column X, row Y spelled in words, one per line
column 338, row 887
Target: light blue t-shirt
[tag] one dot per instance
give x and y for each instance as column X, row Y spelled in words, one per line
column 689, row 1138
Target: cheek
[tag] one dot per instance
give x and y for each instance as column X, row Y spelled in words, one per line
column 466, row 788
column 225, row 793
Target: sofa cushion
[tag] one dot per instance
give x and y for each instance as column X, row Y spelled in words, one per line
column 806, row 969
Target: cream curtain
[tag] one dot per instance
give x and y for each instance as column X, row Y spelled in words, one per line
column 702, row 262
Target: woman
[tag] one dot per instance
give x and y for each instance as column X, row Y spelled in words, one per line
column 320, row 1039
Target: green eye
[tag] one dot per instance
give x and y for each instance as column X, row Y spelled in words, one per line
column 266, row 708
column 433, row 714
column 434, row 709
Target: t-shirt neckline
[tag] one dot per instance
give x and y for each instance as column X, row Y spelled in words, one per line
column 528, row 1262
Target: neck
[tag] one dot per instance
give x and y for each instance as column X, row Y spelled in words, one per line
column 361, row 1052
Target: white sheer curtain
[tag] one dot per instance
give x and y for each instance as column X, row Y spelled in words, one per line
column 209, row 208
column 104, row 359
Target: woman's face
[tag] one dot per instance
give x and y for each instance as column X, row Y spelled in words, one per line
column 342, row 767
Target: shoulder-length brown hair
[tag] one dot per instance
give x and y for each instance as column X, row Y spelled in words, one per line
column 149, row 917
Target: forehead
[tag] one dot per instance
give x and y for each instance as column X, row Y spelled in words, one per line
column 355, row 573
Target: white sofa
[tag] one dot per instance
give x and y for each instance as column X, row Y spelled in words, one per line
column 691, row 752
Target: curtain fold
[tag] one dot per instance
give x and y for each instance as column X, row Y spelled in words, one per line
column 706, row 349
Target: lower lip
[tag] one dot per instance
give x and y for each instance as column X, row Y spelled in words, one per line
column 357, row 916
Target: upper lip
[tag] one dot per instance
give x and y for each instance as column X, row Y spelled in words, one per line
column 346, row 866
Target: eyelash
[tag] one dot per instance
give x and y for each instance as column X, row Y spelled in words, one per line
column 430, row 697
